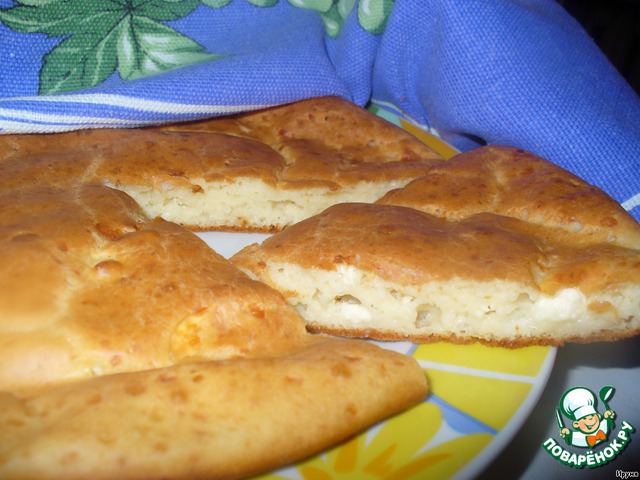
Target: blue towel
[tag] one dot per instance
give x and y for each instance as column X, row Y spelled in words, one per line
column 514, row 72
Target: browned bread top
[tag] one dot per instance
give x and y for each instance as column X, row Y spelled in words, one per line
column 411, row 247
column 516, row 183
column 325, row 142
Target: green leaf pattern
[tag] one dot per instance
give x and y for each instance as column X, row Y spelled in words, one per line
column 130, row 37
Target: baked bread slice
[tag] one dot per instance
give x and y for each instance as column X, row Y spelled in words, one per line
column 129, row 349
column 475, row 252
column 257, row 171
column 205, row 420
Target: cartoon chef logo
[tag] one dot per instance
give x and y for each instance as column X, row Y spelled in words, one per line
column 590, row 427
column 590, row 431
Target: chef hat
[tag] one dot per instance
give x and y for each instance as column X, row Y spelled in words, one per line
column 578, row 403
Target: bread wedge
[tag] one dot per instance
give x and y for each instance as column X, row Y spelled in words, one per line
column 476, row 250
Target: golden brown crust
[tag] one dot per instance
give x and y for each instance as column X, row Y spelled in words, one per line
column 337, row 141
column 410, row 247
column 326, row 143
column 516, row 183
column 399, row 244
column 116, row 292
column 208, row 420
column 140, row 156
column 457, row 339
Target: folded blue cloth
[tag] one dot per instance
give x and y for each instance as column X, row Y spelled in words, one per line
column 515, row 72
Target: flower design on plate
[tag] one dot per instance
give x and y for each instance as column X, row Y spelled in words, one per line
column 403, row 448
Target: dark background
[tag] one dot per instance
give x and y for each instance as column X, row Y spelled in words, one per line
column 614, row 26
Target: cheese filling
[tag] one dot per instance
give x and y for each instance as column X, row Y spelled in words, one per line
column 349, row 298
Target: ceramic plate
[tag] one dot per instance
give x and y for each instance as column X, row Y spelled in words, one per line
column 479, row 398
